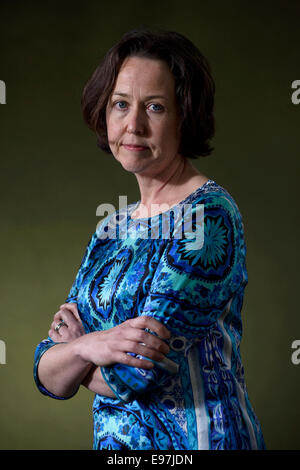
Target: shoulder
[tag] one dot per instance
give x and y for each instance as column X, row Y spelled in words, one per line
column 213, row 231
column 212, row 247
column 213, row 194
column 212, row 204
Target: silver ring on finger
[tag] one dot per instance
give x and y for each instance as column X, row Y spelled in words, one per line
column 59, row 325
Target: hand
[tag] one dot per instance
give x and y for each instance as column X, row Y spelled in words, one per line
column 104, row 348
column 71, row 329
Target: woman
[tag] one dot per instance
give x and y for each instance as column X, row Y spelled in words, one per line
column 152, row 324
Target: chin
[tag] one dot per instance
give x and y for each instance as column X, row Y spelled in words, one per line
column 132, row 168
column 128, row 164
column 134, row 165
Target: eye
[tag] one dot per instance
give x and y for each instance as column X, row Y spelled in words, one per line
column 120, row 105
column 157, row 108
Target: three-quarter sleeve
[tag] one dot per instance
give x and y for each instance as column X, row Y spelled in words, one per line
column 41, row 348
column 48, row 343
column 193, row 285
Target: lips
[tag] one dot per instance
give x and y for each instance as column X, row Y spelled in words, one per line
column 135, row 148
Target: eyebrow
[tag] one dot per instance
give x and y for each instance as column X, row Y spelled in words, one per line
column 149, row 97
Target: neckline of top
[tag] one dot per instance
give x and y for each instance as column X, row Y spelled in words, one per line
column 209, row 181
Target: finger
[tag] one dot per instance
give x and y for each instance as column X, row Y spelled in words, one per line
column 153, row 354
column 131, row 361
column 155, row 343
column 54, row 324
column 141, row 349
column 68, row 317
column 64, row 334
column 57, row 334
column 73, row 307
column 54, row 336
column 152, row 324
column 148, row 339
column 58, row 314
column 57, row 317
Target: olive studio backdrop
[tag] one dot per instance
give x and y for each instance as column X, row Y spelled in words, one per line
column 53, row 177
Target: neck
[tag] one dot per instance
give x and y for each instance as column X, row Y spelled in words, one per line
column 166, row 188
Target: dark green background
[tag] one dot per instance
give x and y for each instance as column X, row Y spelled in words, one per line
column 53, row 177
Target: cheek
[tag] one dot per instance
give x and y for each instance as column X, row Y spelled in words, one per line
column 113, row 137
column 109, row 127
column 112, row 132
column 110, row 124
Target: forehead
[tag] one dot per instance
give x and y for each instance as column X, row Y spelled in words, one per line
column 147, row 75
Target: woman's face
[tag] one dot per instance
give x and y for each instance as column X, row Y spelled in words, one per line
column 142, row 117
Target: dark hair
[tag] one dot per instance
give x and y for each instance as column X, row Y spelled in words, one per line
column 194, row 86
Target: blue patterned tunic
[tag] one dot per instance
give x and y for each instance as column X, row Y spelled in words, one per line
column 194, row 283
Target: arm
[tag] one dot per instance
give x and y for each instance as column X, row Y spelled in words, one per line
column 190, row 290
column 61, row 369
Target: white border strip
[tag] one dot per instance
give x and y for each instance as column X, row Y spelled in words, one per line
column 198, row 394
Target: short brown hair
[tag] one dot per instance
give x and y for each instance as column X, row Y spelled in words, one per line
column 194, row 86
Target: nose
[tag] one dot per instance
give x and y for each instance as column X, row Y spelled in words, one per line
column 136, row 122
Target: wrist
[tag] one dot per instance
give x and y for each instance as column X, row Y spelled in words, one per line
column 78, row 346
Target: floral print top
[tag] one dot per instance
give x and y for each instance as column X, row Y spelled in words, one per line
column 185, row 267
